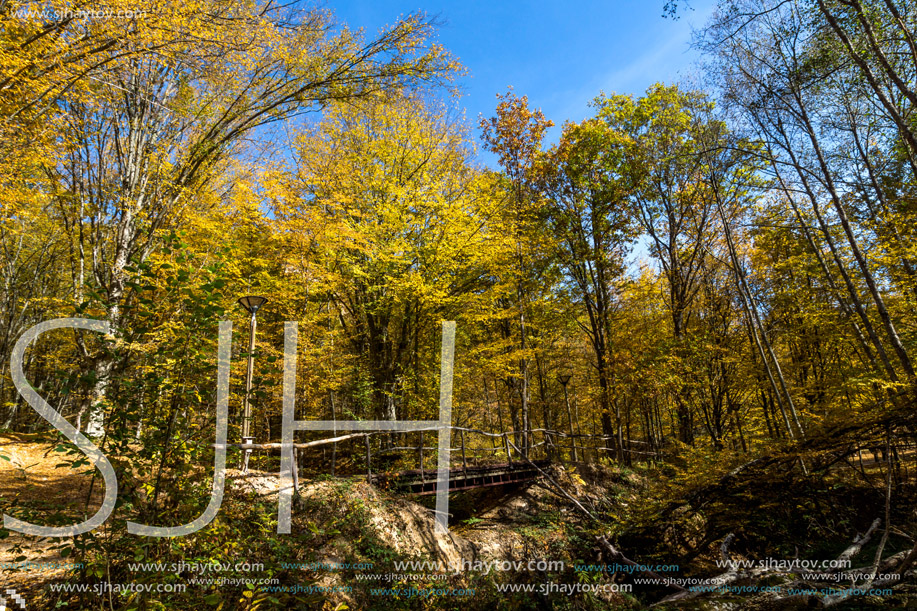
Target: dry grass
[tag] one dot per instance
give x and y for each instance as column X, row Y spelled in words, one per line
column 32, row 479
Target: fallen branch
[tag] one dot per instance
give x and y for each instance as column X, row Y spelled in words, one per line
column 756, row 574
column 602, row 541
column 566, row 494
column 724, row 549
column 858, row 544
column 617, row 556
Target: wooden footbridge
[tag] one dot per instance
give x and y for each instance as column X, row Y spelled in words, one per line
column 424, row 483
column 484, row 468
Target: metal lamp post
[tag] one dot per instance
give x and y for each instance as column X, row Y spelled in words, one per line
column 564, row 379
column 251, row 304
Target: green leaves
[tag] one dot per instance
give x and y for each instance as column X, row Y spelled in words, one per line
column 213, row 599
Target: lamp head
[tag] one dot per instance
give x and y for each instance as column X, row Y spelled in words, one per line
column 564, row 378
column 252, row 303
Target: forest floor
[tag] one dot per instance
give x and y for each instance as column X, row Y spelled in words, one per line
column 510, row 524
column 32, row 476
column 348, row 522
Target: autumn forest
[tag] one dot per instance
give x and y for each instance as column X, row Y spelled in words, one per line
column 693, row 312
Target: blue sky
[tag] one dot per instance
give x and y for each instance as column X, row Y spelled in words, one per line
column 560, row 54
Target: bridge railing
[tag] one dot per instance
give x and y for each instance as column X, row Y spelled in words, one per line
column 513, row 446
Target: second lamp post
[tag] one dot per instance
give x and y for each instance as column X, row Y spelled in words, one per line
column 251, row 304
column 564, row 379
